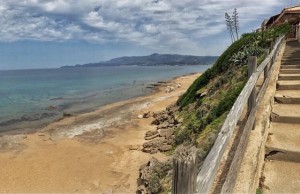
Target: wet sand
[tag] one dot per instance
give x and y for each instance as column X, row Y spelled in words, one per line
column 96, row 152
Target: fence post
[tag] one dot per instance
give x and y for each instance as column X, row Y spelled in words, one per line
column 266, row 70
column 252, row 66
column 185, row 165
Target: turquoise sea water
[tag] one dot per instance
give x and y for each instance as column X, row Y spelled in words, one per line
column 25, row 95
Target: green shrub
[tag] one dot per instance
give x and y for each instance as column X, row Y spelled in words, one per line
column 249, row 44
column 220, row 66
column 226, row 103
column 183, row 136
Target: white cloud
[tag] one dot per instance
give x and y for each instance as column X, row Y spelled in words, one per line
column 165, row 25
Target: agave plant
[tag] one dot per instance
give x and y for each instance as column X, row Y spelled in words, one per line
column 241, row 57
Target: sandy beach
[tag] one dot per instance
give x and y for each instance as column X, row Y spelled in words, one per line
column 96, row 152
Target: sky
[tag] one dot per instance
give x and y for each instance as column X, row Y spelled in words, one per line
column 53, row 33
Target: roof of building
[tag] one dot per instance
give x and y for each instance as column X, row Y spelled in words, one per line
column 287, row 10
column 292, row 9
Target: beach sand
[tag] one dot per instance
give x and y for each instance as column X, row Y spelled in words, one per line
column 96, row 152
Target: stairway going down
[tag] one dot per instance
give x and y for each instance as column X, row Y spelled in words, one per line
column 282, row 160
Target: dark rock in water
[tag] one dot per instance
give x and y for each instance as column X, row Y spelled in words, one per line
column 52, row 107
column 67, row 114
column 54, row 99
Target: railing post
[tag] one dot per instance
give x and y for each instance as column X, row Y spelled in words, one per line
column 252, row 66
column 185, row 165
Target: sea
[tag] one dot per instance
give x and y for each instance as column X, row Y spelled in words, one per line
column 32, row 98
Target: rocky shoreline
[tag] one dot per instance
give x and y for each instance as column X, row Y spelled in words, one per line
column 104, row 155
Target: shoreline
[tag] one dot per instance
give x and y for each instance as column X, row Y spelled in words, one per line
column 93, row 152
column 44, row 122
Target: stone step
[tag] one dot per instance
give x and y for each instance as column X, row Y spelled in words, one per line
column 281, row 177
column 288, row 85
column 290, row 56
column 287, row 96
column 287, row 56
column 286, row 113
column 283, row 142
column 291, row 50
column 290, row 66
column 289, row 71
column 289, row 77
column 290, row 62
column 294, row 53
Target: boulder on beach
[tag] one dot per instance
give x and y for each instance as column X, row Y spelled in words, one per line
column 146, row 114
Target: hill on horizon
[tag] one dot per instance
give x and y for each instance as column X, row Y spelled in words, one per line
column 152, row 60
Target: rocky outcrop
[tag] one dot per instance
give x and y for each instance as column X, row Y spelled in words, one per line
column 145, row 177
column 150, row 174
column 162, row 138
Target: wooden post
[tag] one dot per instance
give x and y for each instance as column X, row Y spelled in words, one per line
column 185, row 165
column 252, row 66
column 266, row 71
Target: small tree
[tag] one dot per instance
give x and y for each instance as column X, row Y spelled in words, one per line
column 229, row 24
column 235, row 21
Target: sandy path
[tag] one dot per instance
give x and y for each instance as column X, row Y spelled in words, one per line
column 85, row 153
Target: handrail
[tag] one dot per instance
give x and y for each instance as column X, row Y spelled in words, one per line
column 210, row 166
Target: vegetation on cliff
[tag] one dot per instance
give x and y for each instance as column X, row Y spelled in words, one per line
column 208, row 100
column 205, row 105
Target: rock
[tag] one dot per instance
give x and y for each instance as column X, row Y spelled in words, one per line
column 165, row 148
column 154, row 144
column 140, row 116
column 152, row 137
column 148, row 181
column 178, row 85
column 154, row 151
column 151, row 133
column 154, row 114
column 170, row 141
column 179, row 120
column 142, row 189
column 51, row 107
column 170, row 120
column 133, row 147
column 147, row 149
column 146, row 114
column 155, row 122
column 67, row 114
column 169, row 89
column 203, row 94
column 167, row 133
column 163, row 125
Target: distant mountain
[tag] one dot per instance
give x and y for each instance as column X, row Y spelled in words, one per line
column 153, row 60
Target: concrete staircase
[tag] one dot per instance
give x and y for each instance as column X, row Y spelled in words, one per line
column 282, row 160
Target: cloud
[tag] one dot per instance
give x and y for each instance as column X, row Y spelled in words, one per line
column 165, row 25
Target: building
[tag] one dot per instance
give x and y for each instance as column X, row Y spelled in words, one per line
column 290, row 15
